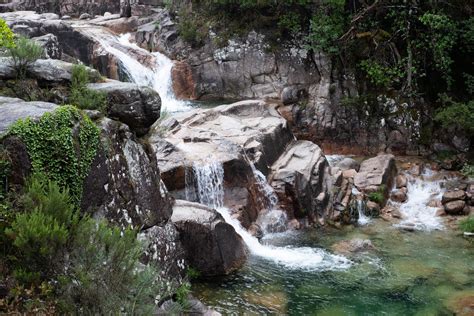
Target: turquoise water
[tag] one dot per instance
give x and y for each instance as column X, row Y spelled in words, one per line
column 408, row 273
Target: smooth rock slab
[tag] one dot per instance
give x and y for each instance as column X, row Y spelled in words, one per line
column 13, row 109
column 212, row 246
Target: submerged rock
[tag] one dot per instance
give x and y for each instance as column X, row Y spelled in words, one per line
column 212, row 246
column 461, row 303
column 353, row 246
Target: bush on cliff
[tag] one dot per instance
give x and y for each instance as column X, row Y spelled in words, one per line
column 88, row 266
column 23, row 53
column 81, row 96
column 6, row 36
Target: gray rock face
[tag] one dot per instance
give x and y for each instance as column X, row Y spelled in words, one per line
column 301, row 180
column 12, row 109
column 124, row 184
column 164, row 250
column 347, row 164
column 212, row 246
column 50, row 45
column 137, row 106
column 376, row 172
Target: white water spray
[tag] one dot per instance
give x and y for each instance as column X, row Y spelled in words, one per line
column 363, row 219
column 209, row 181
column 156, row 76
column 415, row 211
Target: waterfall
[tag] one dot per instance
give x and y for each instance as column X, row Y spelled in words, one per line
column 361, row 207
column 415, row 210
column 157, row 75
column 208, row 188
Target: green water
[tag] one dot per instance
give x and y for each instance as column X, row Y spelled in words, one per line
column 409, row 273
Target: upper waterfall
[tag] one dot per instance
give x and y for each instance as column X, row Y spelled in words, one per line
column 141, row 66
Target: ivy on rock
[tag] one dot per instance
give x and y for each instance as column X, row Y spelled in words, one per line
column 62, row 145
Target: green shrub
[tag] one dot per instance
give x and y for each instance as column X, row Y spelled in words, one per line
column 378, row 196
column 24, row 53
column 6, row 35
column 467, row 224
column 40, row 233
column 83, row 97
column 62, row 145
column 460, row 115
column 104, row 276
column 468, row 170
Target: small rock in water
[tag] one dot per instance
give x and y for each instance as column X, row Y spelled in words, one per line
column 454, row 207
column 84, row 16
column 397, row 214
column 66, row 17
column 401, row 181
column 409, row 227
column 352, row 246
column 440, row 212
column 399, row 196
column 453, row 196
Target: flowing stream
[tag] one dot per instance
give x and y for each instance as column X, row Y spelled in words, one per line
column 209, row 178
column 153, row 69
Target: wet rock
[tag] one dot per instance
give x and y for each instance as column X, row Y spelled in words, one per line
column 373, row 209
column 434, row 203
column 376, row 173
column 12, row 109
column 353, row 246
column 350, row 173
column 212, row 246
column 300, row 178
column 401, row 181
column 440, row 212
column 347, row 164
column 124, row 183
column 137, row 106
column 183, row 82
column 461, row 143
column 85, row 16
column 449, row 196
column 461, row 303
column 399, row 196
column 454, row 207
column 290, row 95
column 50, row 45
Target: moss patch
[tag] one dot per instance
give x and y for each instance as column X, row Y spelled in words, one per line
column 62, row 145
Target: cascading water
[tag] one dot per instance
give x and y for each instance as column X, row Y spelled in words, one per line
column 156, row 76
column 208, row 185
column 415, row 211
column 360, row 204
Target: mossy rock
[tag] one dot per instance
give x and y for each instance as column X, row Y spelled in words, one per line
column 461, row 303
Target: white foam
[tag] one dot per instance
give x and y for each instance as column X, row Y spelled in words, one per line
column 415, row 211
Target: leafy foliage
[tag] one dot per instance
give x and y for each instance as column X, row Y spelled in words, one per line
column 468, row 170
column 460, row 115
column 23, row 53
column 377, row 196
column 6, row 35
column 104, row 276
column 81, row 96
column 41, row 232
column 62, row 145
column 467, row 225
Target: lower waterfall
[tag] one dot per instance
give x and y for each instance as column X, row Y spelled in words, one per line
column 208, row 188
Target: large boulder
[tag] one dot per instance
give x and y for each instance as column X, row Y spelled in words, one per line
column 212, row 246
column 233, row 135
column 50, row 45
column 300, row 178
column 124, row 183
column 12, row 109
column 377, row 173
column 137, row 106
column 454, row 195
